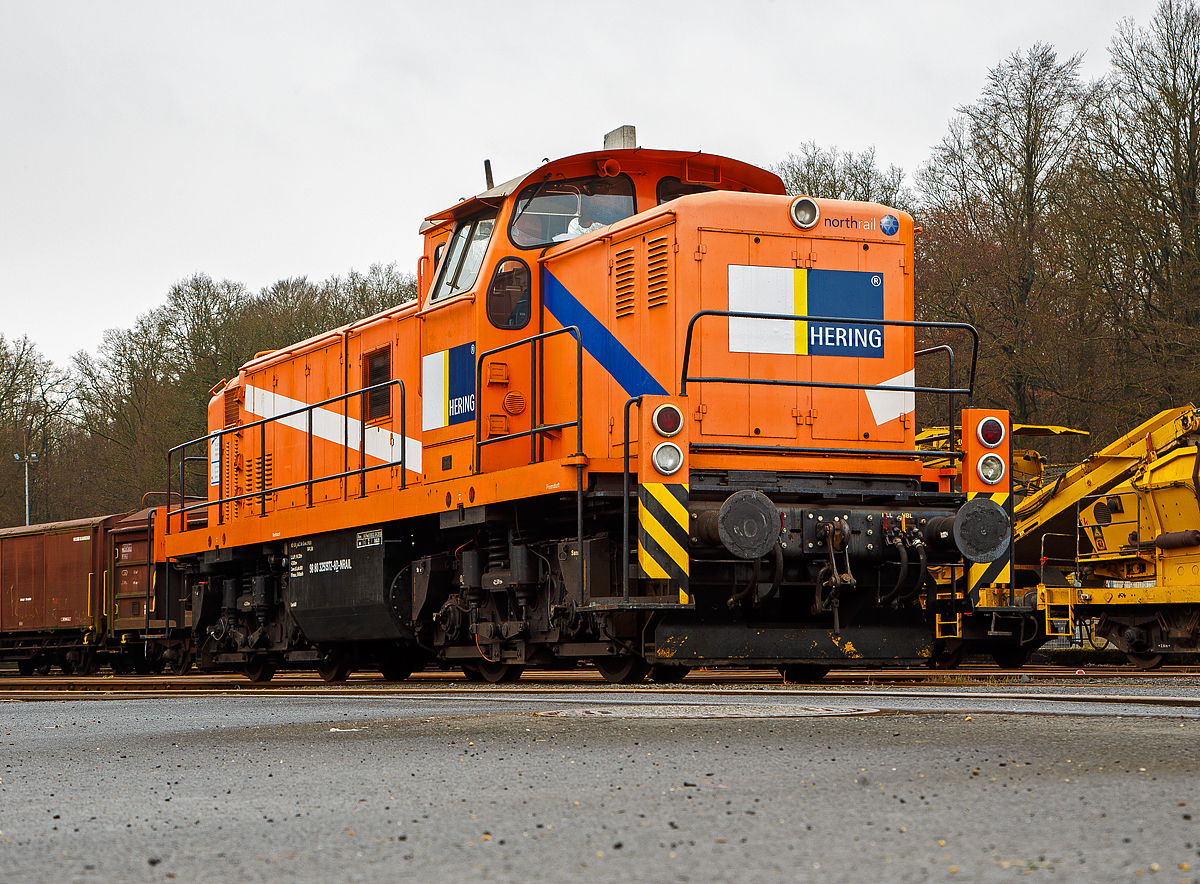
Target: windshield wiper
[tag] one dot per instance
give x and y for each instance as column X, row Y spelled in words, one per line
column 532, row 197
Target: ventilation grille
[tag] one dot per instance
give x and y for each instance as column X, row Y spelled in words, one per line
column 657, row 278
column 252, row 472
column 514, row 402
column 232, row 414
column 623, row 277
column 230, row 485
column 1102, row 514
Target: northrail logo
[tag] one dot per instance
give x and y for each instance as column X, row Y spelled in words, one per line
column 834, row 294
column 889, row 225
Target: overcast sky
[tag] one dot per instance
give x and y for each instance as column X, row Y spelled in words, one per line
column 141, row 142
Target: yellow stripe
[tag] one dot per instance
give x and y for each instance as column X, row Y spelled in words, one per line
column 668, row 501
column 446, row 387
column 652, row 568
column 800, row 292
column 666, row 541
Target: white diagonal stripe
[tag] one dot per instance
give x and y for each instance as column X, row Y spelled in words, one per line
column 380, row 442
column 887, row 405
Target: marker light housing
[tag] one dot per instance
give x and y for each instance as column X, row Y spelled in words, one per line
column 667, row 420
column 668, row 458
column 991, row 468
column 990, row 431
column 805, row 213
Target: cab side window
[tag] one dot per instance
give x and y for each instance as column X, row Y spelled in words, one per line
column 377, row 369
column 464, row 256
column 508, row 296
column 671, row 188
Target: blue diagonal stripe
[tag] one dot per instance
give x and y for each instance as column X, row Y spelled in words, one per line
column 598, row 340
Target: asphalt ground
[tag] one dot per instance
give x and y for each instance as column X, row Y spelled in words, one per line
column 648, row 784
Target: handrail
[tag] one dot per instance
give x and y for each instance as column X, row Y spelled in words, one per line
column 835, row 320
column 625, row 499
column 535, row 429
column 361, row 470
column 949, row 351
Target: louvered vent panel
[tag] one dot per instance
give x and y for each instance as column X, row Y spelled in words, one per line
column 253, row 464
column 626, row 289
column 231, row 485
column 658, row 281
column 231, row 408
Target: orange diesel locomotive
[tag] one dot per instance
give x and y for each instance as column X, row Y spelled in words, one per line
column 648, row 411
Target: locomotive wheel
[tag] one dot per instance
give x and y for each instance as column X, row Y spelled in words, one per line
column 181, row 665
column 1146, row 661
column 395, row 669
column 333, row 670
column 803, row 673
column 622, row 670
column 260, row 670
column 499, row 673
column 121, row 665
column 87, row 665
column 663, row 673
column 42, row 666
column 1011, row 658
column 470, row 673
column 25, row 667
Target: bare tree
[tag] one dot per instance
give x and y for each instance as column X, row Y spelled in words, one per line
column 34, row 398
column 994, row 192
column 828, row 173
column 1143, row 176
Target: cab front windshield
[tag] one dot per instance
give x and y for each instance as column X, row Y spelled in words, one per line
column 556, row 211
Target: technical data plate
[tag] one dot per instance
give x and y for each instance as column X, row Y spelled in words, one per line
column 732, row 710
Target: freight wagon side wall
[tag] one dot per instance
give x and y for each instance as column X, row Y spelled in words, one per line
column 23, row 570
column 70, row 577
column 49, row 579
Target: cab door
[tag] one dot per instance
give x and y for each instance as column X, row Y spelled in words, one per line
column 507, row 396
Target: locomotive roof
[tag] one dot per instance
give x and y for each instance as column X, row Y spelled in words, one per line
column 750, row 176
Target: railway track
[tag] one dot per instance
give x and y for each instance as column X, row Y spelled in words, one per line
column 13, row 686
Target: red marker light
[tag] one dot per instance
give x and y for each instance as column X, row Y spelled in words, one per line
column 990, row 432
column 667, row 420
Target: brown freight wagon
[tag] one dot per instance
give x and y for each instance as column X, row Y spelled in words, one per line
column 80, row 593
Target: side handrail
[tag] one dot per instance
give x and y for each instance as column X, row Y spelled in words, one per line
column 361, row 470
column 536, row 429
column 949, row 351
column 625, row 500
column 968, row 391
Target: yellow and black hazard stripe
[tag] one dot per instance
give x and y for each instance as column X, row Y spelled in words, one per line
column 663, row 534
column 990, row 573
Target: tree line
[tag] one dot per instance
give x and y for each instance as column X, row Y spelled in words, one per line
column 102, row 428
column 1059, row 217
